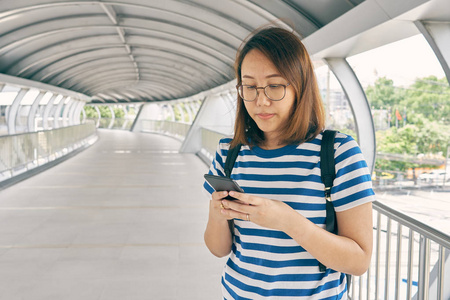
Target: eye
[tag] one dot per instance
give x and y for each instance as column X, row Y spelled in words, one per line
column 275, row 86
column 249, row 87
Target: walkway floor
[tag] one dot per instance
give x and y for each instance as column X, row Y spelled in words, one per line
column 124, row 219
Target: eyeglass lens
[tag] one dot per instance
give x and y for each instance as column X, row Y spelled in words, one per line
column 273, row 92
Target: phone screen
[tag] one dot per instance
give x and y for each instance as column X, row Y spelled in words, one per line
column 220, row 183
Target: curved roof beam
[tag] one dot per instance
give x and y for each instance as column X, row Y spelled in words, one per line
column 72, row 55
column 124, row 81
column 154, row 91
column 196, row 14
column 25, row 65
column 56, row 47
column 203, row 59
column 184, row 49
column 73, row 75
column 95, row 77
column 135, row 94
column 194, row 45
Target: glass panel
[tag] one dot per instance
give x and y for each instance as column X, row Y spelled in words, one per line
column 57, row 99
column 29, row 97
column 339, row 114
column 8, row 94
column 46, row 98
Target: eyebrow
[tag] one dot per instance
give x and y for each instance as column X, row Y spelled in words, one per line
column 268, row 76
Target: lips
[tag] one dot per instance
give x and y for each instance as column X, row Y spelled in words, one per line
column 265, row 116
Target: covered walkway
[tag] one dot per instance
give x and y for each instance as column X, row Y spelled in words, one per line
column 124, row 219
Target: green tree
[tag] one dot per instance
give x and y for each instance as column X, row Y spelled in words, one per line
column 119, row 113
column 91, row 113
column 427, row 129
column 105, row 112
column 383, row 93
column 430, row 97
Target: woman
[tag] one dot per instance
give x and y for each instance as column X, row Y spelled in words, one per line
column 277, row 237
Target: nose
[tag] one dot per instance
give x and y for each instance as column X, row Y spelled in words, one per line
column 261, row 98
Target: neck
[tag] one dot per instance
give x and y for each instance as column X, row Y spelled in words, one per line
column 272, row 143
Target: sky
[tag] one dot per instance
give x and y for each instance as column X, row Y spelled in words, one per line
column 402, row 61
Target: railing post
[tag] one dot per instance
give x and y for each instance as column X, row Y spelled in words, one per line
column 377, row 261
column 424, row 268
column 399, row 260
column 441, row 272
column 410, row 264
column 388, row 259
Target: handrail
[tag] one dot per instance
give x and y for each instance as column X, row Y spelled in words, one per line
column 419, row 227
column 22, row 152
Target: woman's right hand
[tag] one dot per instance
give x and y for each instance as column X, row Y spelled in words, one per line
column 216, row 207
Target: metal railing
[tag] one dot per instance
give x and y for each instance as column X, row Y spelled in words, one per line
column 409, row 259
column 173, row 129
column 116, row 123
column 22, row 152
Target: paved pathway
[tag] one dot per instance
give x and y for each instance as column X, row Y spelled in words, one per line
column 124, row 219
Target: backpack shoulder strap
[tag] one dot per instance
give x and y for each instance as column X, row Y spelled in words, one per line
column 231, row 159
column 327, row 173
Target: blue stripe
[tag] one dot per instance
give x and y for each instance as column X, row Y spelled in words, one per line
column 269, row 248
column 283, row 191
column 352, row 167
column 278, row 278
column 309, row 206
column 351, row 183
column 275, row 165
column 208, row 188
column 281, row 292
column 352, row 197
column 262, row 232
column 219, row 160
column 275, row 264
column 287, row 150
column 349, row 153
column 231, row 292
column 273, row 178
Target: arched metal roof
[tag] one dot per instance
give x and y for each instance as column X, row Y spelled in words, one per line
column 154, row 50
column 141, row 50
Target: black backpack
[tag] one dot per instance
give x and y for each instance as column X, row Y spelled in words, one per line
column 327, row 174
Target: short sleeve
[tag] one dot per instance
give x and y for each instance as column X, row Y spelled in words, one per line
column 353, row 183
column 217, row 164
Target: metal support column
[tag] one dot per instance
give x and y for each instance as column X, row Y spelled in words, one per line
column 57, row 114
column 437, row 35
column 12, row 113
column 360, row 107
column 47, row 110
column 33, row 110
column 66, row 112
column 113, row 117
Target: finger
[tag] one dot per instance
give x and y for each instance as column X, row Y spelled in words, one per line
column 243, row 197
column 232, row 214
column 219, row 195
column 237, row 206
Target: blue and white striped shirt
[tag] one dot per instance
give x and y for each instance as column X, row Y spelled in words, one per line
column 268, row 264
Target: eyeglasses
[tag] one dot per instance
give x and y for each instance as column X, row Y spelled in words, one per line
column 274, row 92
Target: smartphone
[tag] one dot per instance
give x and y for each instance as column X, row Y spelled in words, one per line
column 220, row 183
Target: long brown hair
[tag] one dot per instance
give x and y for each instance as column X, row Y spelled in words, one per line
column 289, row 55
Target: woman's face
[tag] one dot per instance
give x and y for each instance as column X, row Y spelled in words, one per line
column 270, row 116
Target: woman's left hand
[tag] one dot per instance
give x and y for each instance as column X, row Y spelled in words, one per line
column 262, row 211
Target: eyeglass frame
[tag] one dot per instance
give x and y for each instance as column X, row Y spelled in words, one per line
column 263, row 88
